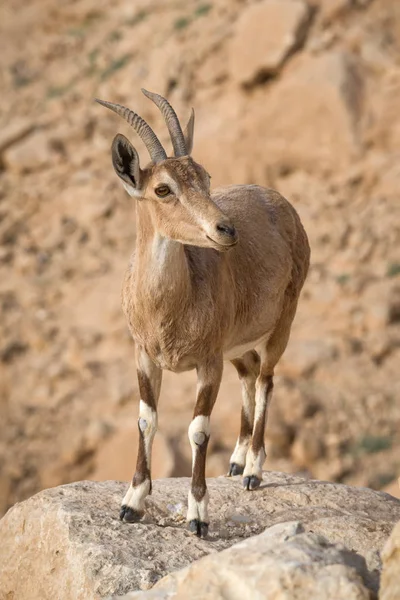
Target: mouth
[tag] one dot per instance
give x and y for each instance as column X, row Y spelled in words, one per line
column 222, row 247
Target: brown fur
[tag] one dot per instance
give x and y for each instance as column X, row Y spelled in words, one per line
column 203, row 302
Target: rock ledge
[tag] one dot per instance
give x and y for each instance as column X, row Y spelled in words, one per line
column 67, row 542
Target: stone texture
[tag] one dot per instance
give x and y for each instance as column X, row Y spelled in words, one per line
column 307, row 448
column 14, row 131
column 29, row 154
column 302, row 356
column 390, row 580
column 310, row 118
column 71, row 542
column 282, row 562
column 265, row 34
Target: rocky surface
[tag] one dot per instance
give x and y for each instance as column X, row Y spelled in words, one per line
column 390, row 581
column 321, row 125
column 263, row 37
column 71, row 543
column 282, row 562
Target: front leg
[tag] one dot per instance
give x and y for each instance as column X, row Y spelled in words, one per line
column 209, row 376
column 149, row 377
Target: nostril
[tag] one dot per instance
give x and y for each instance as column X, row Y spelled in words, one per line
column 226, row 229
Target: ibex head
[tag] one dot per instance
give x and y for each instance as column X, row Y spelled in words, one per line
column 177, row 188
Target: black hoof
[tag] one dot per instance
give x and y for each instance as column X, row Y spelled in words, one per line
column 251, row 482
column 129, row 515
column 199, row 528
column 235, row 469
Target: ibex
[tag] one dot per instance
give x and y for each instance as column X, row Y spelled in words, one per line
column 216, row 276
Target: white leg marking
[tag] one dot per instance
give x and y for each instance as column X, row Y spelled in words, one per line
column 149, row 415
column 135, row 496
column 248, row 394
column 248, row 391
column 149, row 421
column 240, row 451
column 255, row 461
column 198, row 510
column 198, row 428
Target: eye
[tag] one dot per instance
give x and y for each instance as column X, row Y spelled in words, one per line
column 162, row 191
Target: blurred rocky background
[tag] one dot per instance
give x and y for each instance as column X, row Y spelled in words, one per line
column 299, row 96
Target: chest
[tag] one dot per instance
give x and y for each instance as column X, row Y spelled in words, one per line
column 168, row 333
column 169, row 323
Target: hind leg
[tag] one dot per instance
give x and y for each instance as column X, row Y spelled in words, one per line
column 269, row 355
column 256, row 454
column 248, row 368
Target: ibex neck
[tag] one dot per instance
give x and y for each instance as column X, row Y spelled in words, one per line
column 161, row 263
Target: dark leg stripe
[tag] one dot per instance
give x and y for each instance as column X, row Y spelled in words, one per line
column 240, row 368
column 199, row 471
column 205, row 402
column 246, row 427
column 146, row 392
column 142, row 470
column 146, row 395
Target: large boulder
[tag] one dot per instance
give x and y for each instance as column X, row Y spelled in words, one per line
column 67, row 542
column 282, row 562
column 311, row 118
column 264, row 35
column 390, row 583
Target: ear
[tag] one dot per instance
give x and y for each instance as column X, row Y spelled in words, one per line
column 126, row 164
column 189, row 132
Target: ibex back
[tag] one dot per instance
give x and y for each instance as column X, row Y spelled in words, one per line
column 215, row 275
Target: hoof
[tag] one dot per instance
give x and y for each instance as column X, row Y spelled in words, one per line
column 199, row 528
column 235, row 469
column 251, row 482
column 129, row 515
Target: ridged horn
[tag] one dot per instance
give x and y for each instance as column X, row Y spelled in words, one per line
column 172, row 121
column 151, row 141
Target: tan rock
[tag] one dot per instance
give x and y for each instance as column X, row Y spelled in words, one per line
column 280, row 437
column 14, row 132
column 302, row 356
column 393, row 488
column 68, row 542
column 385, row 125
column 217, row 463
column 29, row 154
column 116, row 456
column 390, row 580
column 380, row 304
column 307, row 448
column 265, row 34
column 331, row 10
column 309, row 119
column 282, row 562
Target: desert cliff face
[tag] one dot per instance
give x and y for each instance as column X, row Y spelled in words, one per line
column 302, row 97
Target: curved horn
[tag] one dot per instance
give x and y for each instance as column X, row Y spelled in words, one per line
column 172, row 121
column 153, row 144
